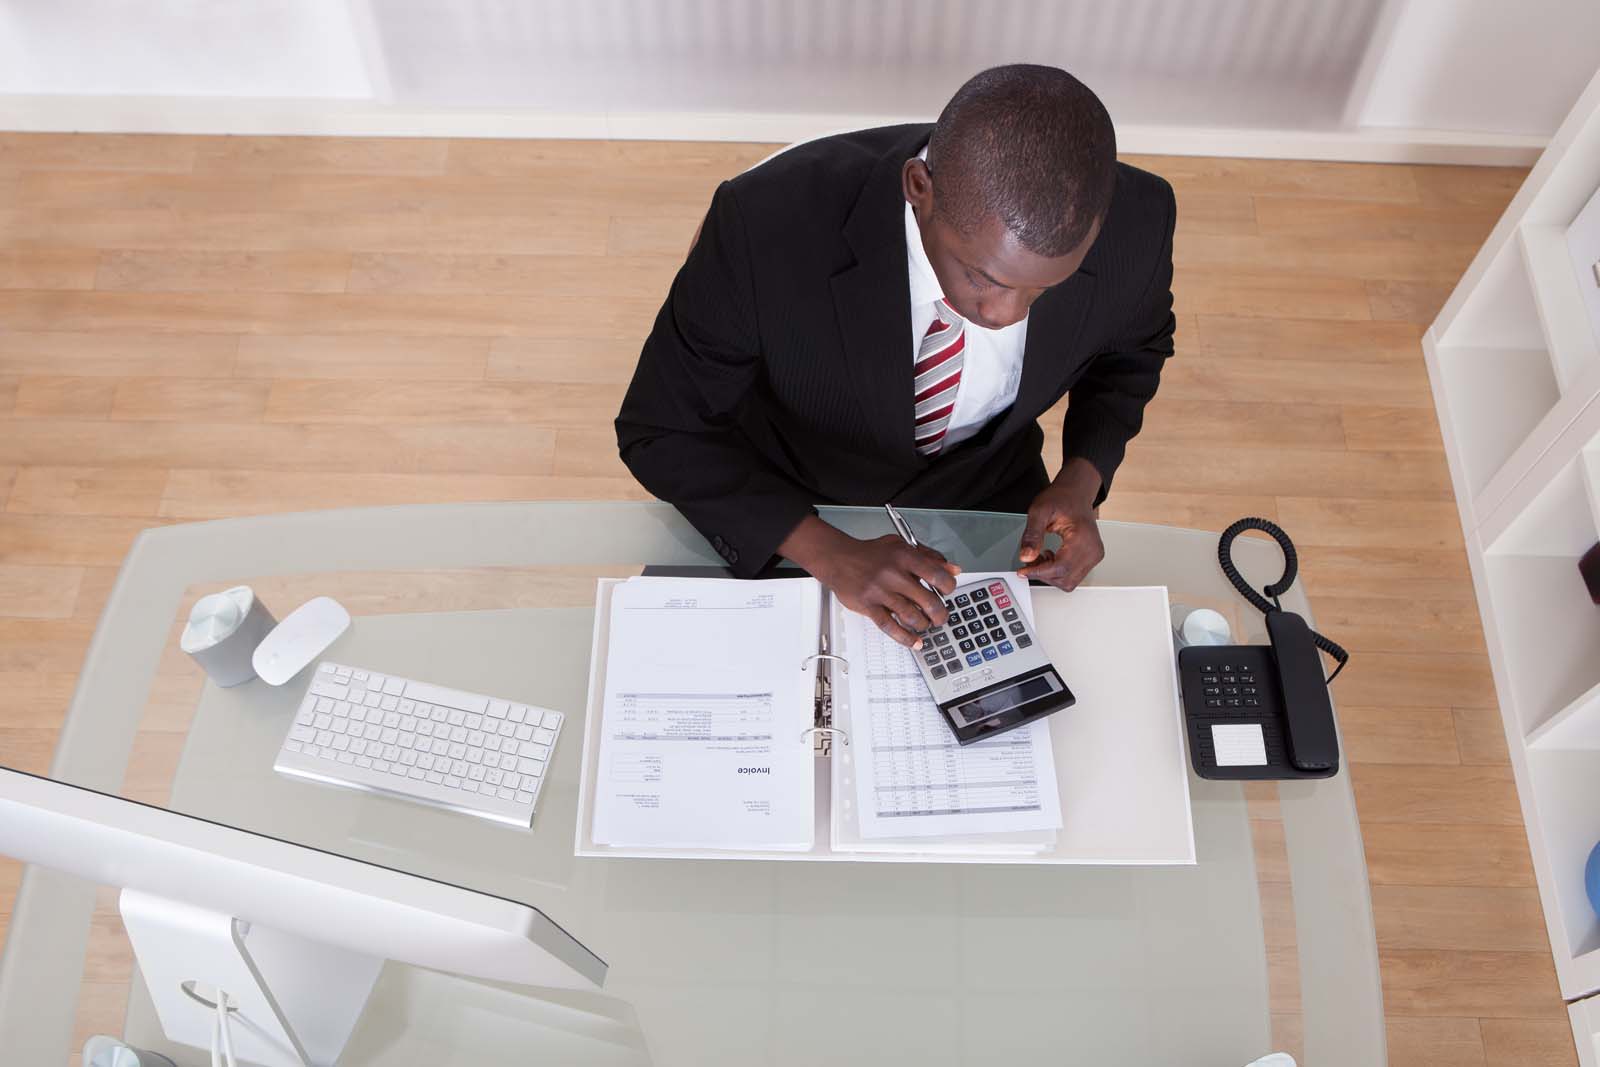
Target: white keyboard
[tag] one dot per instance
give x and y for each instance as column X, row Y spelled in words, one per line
column 463, row 751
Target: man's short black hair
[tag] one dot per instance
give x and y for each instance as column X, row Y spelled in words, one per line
column 1031, row 145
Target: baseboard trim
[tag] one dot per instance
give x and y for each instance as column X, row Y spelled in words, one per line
column 348, row 118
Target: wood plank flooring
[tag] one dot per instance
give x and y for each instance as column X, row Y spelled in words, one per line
column 370, row 321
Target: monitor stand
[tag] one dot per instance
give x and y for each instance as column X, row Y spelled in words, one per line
column 294, row 1001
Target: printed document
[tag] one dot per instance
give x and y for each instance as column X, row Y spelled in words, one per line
column 706, row 706
column 912, row 778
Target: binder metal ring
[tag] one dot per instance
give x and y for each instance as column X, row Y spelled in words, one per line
column 844, row 663
column 832, row 731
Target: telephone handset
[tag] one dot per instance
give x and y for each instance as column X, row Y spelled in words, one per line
column 1269, row 701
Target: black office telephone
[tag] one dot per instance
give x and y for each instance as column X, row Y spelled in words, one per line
column 1261, row 711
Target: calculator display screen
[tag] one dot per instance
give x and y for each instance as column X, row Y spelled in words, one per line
column 992, row 704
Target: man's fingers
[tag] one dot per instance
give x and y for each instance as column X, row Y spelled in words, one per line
column 934, row 571
column 885, row 622
column 1033, row 532
column 912, row 613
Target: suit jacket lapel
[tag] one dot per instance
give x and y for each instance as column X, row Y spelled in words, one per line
column 1054, row 322
column 872, row 301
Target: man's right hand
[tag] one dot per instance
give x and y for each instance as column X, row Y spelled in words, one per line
column 877, row 578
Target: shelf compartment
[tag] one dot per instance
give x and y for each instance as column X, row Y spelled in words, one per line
column 1575, row 726
column 1546, row 626
column 1568, row 825
column 1562, row 314
column 1494, row 398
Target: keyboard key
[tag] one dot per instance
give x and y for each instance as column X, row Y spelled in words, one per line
column 390, row 703
column 524, row 798
column 969, row 613
column 973, row 659
column 947, row 652
column 941, row 639
column 936, row 672
column 519, row 712
column 497, row 709
column 967, row 646
column 980, row 594
column 438, row 694
column 958, row 632
column 524, row 732
column 330, row 688
column 997, row 635
column 962, row 600
column 990, row 653
column 930, row 658
column 1002, row 602
column 1005, row 648
column 452, row 781
column 1010, row 615
column 1024, row 641
column 997, row 588
column 393, row 686
column 545, row 737
column 954, row 665
column 980, row 639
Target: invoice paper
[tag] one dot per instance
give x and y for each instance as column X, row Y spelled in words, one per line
column 706, row 702
column 912, row 778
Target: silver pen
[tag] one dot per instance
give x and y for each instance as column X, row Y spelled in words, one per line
column 903, row 528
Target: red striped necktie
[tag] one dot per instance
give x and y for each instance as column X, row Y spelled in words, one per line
column 936, row 377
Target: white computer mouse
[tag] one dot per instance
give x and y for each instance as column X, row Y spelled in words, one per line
column 303, row 635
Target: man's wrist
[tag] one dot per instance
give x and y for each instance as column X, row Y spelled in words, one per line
column 1081, row 480
column 810, row 544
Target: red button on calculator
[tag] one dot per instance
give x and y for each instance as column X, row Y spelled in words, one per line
column 997, row 588
column 1002, row 602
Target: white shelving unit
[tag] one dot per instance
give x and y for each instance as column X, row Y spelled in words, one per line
column 1516, row 379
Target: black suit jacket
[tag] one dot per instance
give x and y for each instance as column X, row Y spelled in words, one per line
column 778, row 372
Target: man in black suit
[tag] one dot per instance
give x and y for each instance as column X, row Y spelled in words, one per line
column 884, row 315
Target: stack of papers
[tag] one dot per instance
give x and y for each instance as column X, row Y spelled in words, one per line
column 707, row 702
column 915, row 788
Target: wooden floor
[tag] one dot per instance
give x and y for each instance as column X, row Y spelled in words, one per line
column 203, row 327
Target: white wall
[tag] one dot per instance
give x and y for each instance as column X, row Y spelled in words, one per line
column 259, row 48
column 1504, row 66
column 1478, row 80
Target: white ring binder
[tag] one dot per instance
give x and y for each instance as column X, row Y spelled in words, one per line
column 832, row 731
column 844, row 663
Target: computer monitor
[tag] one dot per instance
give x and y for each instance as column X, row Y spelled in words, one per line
column 292, row 936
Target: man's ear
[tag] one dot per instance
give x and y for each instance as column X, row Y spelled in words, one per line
column 916, row 182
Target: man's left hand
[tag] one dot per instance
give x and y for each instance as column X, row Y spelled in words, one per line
column 1066, row 507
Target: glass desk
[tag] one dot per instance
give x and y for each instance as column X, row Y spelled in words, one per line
column 1266, row 944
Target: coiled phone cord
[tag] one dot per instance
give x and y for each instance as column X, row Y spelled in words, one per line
column 1291, row 568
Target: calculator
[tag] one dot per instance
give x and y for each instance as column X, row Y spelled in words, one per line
column 984, row 666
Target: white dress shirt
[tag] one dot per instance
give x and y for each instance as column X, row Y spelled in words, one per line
column 992, row 366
